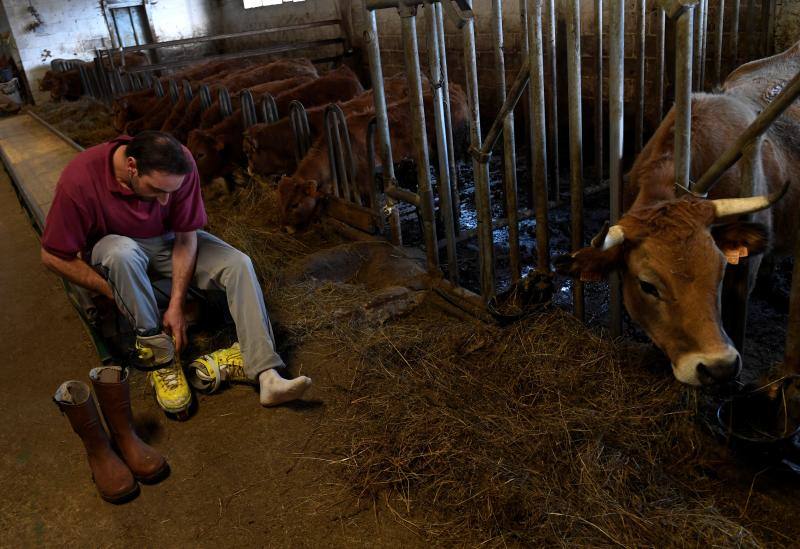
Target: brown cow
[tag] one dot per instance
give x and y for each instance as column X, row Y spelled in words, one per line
column 340, row 84
column 671, row 250
column 221, row 147
column 270, row 147
column 193, row 114
column 302, row 194
column 131, row 106
column 62, row 85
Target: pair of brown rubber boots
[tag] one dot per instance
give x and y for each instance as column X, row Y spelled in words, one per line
column 118, row 461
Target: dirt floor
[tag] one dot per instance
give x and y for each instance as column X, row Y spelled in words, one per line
column 241, row 475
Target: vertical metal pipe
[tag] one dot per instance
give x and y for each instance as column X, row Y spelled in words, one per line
column 661, row 32
column 698, row 46
column 408, row 19
column 792, row 354
column 616, row 97
column 771, row 28
column 575, row 142
column 509, row 146
column 641, row 30
column 720, row 34
column 538, row 134
column 703, row 44
column 598, row 92
column 384, row 142
column 455, row 200
column 445, row 209
column 734, row 60
column 524, row 49
column 552, row 108
column 480, row 169
column 683, row 96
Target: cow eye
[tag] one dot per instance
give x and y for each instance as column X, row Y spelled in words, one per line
column 648, row 288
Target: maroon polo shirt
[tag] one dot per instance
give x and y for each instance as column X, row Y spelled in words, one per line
column 90, row 203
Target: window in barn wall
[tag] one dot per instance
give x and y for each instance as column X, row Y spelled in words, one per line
column 259, row 3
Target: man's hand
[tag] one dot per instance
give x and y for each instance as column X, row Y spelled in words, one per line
column 174, row 323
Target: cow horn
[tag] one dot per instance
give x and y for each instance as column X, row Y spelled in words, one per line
column 608, row 237
column 726, row 207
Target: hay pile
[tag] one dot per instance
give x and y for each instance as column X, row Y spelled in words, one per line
column 86, row 121
column 538, row 435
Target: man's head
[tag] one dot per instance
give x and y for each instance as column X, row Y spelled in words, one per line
column 155, row 165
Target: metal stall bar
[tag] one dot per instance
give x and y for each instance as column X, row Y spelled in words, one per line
column 382, row 127
column 174, row 94
column 269, row 109
column 225, row 106
column 455, row 199
column 158, row 87
column 575, row 142
column 340, row 155
column 616, row 97
column 718, row 49
column 661, row 31
column 188, row 93
column 770, row 39
column 599, row 133
column 791, row 362
column 300, row 128
column 249, row 116
column 205, row 97
column 408, row 20
column 480, row 169
column 762, row 122
column 734, row 59
column 538, row 137
column 509, row 146
column 703, row 15
column 683, row 96
column 552, row 101
column 445, row 192
column 280, row 48
column 641, row 12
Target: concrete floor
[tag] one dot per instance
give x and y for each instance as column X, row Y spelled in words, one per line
column 241, row 475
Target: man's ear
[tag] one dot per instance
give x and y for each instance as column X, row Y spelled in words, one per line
column 589, row 264
column 740, row 239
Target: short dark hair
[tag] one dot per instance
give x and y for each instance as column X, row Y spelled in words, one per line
column 158, row 151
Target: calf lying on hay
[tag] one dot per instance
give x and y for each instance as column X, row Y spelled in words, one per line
column 541, row 433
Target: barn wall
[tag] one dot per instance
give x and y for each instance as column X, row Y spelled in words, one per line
column 233, row 17
column 74, row 28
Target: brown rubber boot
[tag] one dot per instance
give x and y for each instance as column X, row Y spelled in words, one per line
column 113, row 393
column 112, row 477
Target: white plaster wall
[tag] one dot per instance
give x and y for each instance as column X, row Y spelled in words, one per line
column 74, row 28
column 71, row 28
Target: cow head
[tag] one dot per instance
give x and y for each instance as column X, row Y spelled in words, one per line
column 672, row 256
column 300, row 202
column 48, row 81
column 276, row 157
column 119, row 113
column 208, row 153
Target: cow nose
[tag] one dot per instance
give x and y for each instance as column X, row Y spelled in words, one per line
column 711, row 372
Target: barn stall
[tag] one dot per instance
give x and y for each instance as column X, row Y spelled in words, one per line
column 574, row 434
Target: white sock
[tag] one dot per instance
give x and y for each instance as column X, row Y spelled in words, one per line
column 275, row 390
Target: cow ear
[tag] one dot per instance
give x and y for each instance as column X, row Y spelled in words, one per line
column 589, row 264
column 741, row 239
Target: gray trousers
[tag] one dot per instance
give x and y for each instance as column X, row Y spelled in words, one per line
column 128, row 262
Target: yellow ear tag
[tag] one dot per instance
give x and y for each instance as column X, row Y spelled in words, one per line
column 743, row 251
column 732, row 256
column 588, row 276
